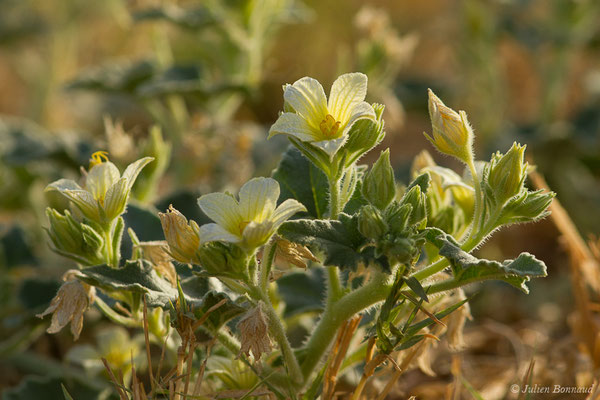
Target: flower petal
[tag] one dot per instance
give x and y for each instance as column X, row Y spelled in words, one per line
column 101, row 177
column 286, row 210
column 362, row 110
column 257, row 233
column 85, row 202
column 258, row 198
column 307, row 98
column 116, row 199
column 214, row 232
column 63, row 184
column 346, row 93
column 294, row 125
column 223, row 209
column 133, row 170
column 331, row 146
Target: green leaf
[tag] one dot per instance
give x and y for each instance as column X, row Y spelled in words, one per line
column 416, row 287
column 299, row 179
column 339, row 241
column 302, row 291
column 139, row 276
column 66, row 392
column 468, row 269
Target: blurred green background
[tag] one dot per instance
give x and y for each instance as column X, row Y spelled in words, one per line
column 208, row 74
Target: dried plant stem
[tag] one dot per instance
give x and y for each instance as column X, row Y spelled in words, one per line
column 338, row 353
column 147, row 340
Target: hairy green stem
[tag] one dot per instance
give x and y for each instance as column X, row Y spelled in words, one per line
column 266, row 264
column 114, row 316
column 333, row 273
column 335, row 314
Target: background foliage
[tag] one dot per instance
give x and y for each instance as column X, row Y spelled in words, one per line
column 207, row 73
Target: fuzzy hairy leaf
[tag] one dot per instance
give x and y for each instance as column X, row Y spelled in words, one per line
column 139, row 276
column 339, row 241
column 468, row 268
column 299, row 179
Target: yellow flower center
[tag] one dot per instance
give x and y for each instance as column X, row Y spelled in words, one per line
column 242, row 226
column 98, row 158
column 329, row 126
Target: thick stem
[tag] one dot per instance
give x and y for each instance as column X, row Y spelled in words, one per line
column 334, row 198
column 108, row 249
column 333, row 274
column 335, row 315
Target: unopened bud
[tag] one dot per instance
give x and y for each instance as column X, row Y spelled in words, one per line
column 507, row 173
column 416, row 199
column 451, row 132
column 365, row 134
column 371, row 223
column 379, row 185
column 183, row 238
column 73, row 239
column 530, row 206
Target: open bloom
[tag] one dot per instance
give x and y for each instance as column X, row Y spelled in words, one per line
column 105, row 193
column 250, row 221
column 310, row 117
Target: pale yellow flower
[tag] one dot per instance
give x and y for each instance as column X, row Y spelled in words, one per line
column 252, row 220
column 105, row 193
column 310, row 117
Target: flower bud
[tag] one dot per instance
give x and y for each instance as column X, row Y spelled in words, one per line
column 507, row 174
column 379, row 185
column 529, row 206
column 75, row 240
column 183, row 238
column 364, row 135
column 221, row 259
column 452, row 133
column 370, row 223
column 416, row 199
